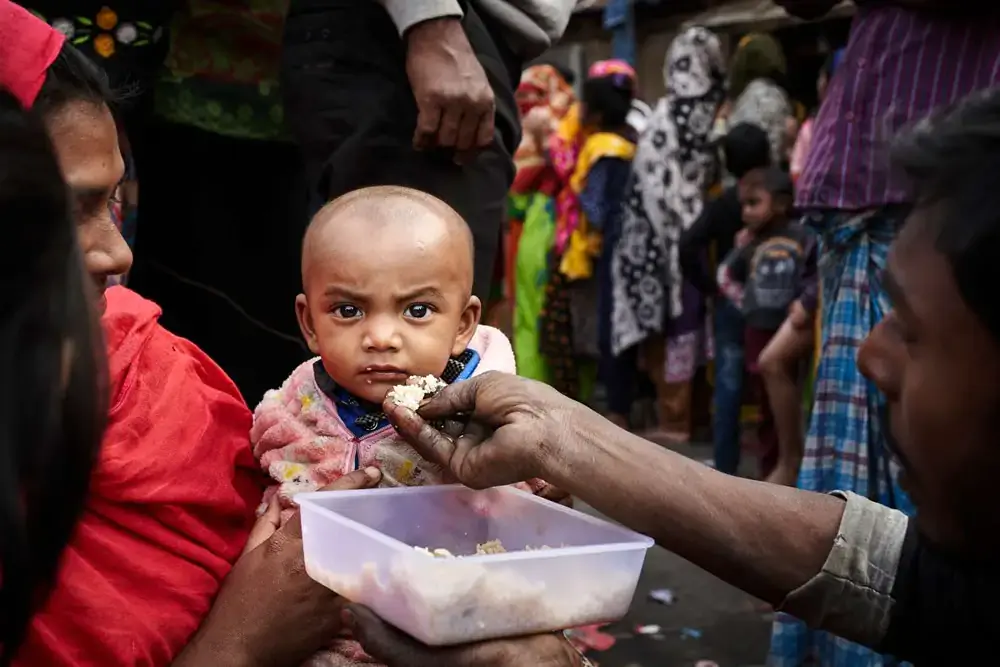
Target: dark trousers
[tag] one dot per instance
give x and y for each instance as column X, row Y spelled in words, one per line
column 221, row 222
column 728, row 397
column 349, row 103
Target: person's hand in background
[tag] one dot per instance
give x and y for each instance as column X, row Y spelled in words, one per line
column 269, row 611
column 454, row 97
column 395, row 649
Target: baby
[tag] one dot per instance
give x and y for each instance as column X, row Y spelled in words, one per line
column 387, row 294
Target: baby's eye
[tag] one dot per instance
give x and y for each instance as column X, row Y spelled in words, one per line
column 347, row 311
column 418, row 311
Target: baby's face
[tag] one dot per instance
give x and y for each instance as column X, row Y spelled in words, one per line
column 380, row 310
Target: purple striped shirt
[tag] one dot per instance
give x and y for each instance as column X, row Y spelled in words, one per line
column 898, row 66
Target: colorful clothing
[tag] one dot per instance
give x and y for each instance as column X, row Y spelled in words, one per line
column 532, row 214
column 899, row 65
column 544, row 94
column 222, row 69
column 531, row 276
column 566, row 338
column 674, row 166
column 845, row 447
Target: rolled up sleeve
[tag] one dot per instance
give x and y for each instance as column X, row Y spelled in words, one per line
column 408, row 13
column 852, row 595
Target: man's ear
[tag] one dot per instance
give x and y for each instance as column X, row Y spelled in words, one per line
column 467, row 325
column 304, row 318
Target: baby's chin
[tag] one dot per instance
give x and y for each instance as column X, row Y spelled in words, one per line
column 373, row 392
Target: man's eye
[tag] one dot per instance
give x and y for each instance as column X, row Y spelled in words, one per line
column 418, row 311
column 347, row 311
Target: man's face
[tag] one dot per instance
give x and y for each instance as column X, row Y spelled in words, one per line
column 939, row 369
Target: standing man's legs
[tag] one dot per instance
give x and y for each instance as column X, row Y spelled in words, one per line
column 349, row 102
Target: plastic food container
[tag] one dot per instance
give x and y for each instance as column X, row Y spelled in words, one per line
column 562, row 568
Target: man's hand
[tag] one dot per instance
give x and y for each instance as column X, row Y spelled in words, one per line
column 509, row 429
column 394, row 649
column 454, row 98
column 269, row 612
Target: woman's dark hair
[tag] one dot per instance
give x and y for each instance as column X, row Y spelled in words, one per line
column 52, row 401
column 952, row 160
column 609, row 98
column 746, row 147
column 72, row 77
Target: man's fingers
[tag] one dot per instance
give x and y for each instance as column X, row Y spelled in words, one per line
column 383, row 642
column 427, row 440
column 485, row 131
column 468, row 133
column 427, row 126
column 448, row 130
column 457, row 398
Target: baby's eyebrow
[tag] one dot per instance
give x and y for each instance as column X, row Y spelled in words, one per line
column 424, row 292
column 336, row 291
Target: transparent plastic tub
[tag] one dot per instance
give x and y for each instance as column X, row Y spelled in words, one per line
column 562, row 568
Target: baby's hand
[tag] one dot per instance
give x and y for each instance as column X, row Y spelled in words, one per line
column 743, row 238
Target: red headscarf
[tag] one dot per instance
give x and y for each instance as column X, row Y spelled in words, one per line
column 28, row 45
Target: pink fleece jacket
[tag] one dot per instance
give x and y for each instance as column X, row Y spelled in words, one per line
column 301, row 441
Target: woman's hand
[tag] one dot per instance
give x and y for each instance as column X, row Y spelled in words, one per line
column 395, row 649
column 517, row 430
column 269, row 612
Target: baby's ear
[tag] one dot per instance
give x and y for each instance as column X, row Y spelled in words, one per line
column 306, row 326
column 467, row 325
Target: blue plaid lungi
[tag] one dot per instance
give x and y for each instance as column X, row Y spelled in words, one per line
column 845, row 446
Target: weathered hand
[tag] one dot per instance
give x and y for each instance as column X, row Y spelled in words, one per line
column 517, row 429
column 454, row 97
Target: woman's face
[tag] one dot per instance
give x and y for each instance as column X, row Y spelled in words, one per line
column 86, row 145
column 939, row 368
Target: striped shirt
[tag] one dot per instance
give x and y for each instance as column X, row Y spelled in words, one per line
column 898, row 66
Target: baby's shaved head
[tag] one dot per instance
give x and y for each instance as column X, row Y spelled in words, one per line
column 366, row 220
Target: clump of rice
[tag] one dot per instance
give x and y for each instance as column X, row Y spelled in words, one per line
column 416, row 389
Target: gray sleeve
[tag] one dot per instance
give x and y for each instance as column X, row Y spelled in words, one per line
column 851, row 595
column 407, row 13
